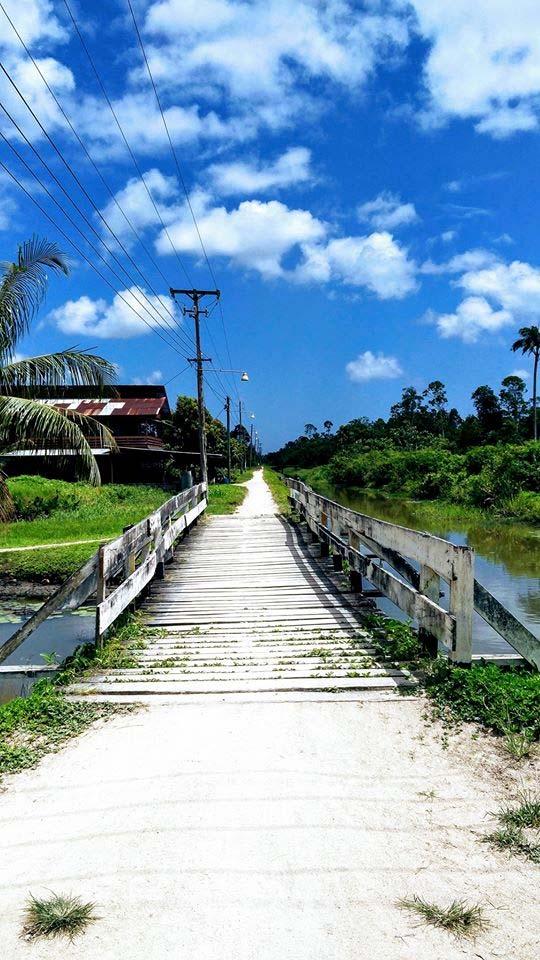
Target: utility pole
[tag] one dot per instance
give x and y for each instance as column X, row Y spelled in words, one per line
column 195, row 311
column 251, row 447
column 228, row 409
column 243, row 446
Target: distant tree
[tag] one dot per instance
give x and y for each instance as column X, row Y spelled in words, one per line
column 181, row 432
column 528, row 343
column 488, row 409
column 328, row 426
column 310, row 429
column 436, row 400
column 409, row 408
column 512, row 400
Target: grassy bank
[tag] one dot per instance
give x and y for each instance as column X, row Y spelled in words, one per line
column 523, row 508
column 278, row 489
column 56, row 512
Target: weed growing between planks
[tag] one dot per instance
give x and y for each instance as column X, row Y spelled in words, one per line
column 459, row 918
column 57, row 916
column 393, row 638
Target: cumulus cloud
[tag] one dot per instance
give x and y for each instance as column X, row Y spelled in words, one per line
column 370, row 366
column 116, row 320
column 522, row 374
column 469, row 260
column 34, row 19
column 267, row 53
column 483, row 62
column 387, row 212
column 290, row 168
column 136, row 203
column 376, row 262
column 515, row 286
column 473, row 317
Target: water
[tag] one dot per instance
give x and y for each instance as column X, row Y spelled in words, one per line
column 58, row 636
column 507, row 557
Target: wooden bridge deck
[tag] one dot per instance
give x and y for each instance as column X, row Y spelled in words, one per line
column 245, row 608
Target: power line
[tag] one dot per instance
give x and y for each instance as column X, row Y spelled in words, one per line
column 153, row 325
column 75, row 205
column 78, row 250
column 88, row 155
column 180, row 177
column 125, row 140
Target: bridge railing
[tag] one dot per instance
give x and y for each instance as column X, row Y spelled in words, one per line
column 120, row 570
column 366, row 543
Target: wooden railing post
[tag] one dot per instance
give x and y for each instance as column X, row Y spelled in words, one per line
column 101, row 592
column 429, row 585
column 461, row 606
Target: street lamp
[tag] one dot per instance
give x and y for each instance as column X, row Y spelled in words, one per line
column 244, row 377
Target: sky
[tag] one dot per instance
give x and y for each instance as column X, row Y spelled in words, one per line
column 363, row 178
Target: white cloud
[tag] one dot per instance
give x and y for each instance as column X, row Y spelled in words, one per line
column 484, row 62
column 137, row 205
column 515, row 286
column 448, row 236
column 34, row 20
column 369, row 366
column 8, row 207
column 156, row 376
column 375, row 262
column 27, row 79
column 387, row 211
column 291, row 167
column 473, row 317
column 116, row 320
column 469, row 260
column 523, row 374
column 256, row 235
column 268, row 53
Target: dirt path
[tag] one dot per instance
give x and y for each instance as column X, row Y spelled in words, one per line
column 259, row 501
column 262, row 831
column 49, row 546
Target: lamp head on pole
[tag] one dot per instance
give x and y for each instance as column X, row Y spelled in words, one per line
column 244, row 377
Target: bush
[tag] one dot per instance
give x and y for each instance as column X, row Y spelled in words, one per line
column 504, row 701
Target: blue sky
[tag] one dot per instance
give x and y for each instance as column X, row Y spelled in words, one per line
column 364, row 177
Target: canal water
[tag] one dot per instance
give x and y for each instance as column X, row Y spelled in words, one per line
column 53, row 641
column 507, row 557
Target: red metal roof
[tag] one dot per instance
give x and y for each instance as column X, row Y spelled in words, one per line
column 136, row 407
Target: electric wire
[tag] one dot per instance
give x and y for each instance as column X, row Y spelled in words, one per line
column 62, row 232
column 181, row 178
column 153, row 325
column 125, row 140
column 90, row 158
column 80, row 212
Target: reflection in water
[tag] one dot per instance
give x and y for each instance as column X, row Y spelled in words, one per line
column 507, row 555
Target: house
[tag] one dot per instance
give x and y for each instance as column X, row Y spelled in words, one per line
column 134, row 414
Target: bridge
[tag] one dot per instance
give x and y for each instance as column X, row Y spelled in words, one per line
column 252, row 603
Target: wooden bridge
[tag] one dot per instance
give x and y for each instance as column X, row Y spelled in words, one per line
column 252, row 603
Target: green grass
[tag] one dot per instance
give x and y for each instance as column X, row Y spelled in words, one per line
column 57, row 916
column 224, row 498
column 459, row 918
column 242, row 476
column 396, row 640
column 505, row 701
column 519, row 830
column 33, row 726
column 54, row 511
column 42, row 722
column 279, row 490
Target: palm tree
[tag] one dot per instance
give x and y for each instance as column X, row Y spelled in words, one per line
column 24, row 421
column 529, row 344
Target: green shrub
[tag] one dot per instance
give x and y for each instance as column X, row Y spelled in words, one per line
column 504, row 701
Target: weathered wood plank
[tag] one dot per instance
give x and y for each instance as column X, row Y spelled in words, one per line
column 506, row 624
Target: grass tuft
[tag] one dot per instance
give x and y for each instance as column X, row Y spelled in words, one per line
column 57, row 916
column 519, row 831
column 459, row 918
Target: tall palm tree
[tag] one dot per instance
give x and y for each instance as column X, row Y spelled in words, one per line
column 529, row 344
column 24, row 421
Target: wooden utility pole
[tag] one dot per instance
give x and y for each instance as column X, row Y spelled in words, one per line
column 228, row 410
column 195, row 311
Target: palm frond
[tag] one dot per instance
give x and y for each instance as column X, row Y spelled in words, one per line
column 56, row 369
column 23, row 288
column 6, row 503
column 34, row 425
